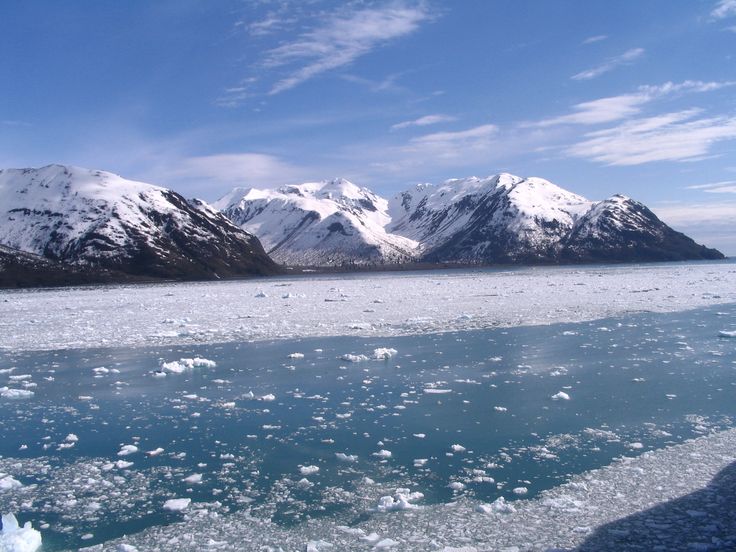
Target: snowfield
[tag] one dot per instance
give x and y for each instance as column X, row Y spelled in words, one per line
column 384, row 304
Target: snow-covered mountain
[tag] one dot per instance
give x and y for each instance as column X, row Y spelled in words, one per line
column 97, row 219
column 326, row 223
column 498, row 219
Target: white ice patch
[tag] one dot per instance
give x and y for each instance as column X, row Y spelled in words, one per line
column 308, row 470
column 15, row 394
column 354, row 358
column 727, row 333
column 561, row 396
column 402, row 499
column 8, row 483
column 177, row 504
column 126, row 450
column 349, row 458
column 383, row 353
column 183, row 364
column 14, row 538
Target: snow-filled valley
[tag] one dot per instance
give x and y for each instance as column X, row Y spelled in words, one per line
column 524, row 409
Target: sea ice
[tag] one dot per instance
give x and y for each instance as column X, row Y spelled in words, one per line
column 14, row 538
column 9, row 393
column 177, row 504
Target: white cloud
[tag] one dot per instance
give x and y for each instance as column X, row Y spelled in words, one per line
column 615, row 108
column 340, row 40
column 236, row 169
column 724, row 8
column 678, row 136
column 594, row 39
column 726, row 187
column 424, row 121
column 457, row 144
column 624, row 59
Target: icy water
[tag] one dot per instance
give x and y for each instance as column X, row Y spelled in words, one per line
column 504, row 412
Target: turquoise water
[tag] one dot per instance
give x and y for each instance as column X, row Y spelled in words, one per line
column 634, row 383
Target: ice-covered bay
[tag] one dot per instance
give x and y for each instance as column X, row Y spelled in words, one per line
column 361, row 304
column 358, row 441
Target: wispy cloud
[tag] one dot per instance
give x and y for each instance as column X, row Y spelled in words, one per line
column 237, row 169
column 725, row 187
column 615, row 108
column 340, row 40
column 724, row 8
column 456, row 143
column 594, row 39
column 675, row 136
column 424, row 121
column 610, row 64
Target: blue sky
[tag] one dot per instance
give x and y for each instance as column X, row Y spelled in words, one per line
column 600, row 97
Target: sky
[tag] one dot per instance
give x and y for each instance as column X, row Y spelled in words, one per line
column 634, row 96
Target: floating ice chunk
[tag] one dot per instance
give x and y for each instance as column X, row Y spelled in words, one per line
column 14, row 538
column 383, row 454
column 177, row 504
column 520, row 490
column 727, row 333
column 184, row 364
column 635, row 446
column 456, row 486
column 420, row 462
column 350, row 458
column 154, row 452
column 500, row 408
column 401, row 500
column 15, row 394
column 269, row 397
column 384, row 353
column 435, row 391
column 498, row 506
column 308, row 470
column 8, row 482
column 354, row 358
column 296, row 355
column 71, row 438
column 194, row 479
column 125, row 450
column 122, row 547
column 122, row 464
column 385, row 543
column 304, row 483
column 561, row 396
column 318, row 546
column 458, row 448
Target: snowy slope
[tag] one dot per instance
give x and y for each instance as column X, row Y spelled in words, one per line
column 99, row 219
column 502, row 218
column 321, row 223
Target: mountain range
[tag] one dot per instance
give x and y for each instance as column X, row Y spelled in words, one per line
column 62, row 224
column 501, row 219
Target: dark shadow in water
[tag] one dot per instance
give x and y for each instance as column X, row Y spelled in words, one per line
column 703, row 520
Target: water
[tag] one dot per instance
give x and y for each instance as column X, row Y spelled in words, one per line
column 635, row 383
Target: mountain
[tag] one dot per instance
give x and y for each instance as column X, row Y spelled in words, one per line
column 500, row 219
column 326, row 223
column 621, row 228
column 98, row 220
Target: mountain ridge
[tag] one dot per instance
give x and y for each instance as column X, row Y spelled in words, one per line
column 500, row 219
